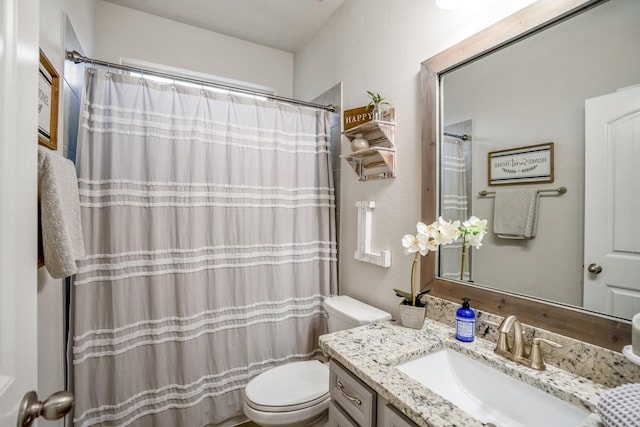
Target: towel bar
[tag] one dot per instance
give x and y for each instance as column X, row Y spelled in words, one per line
column 560, row 190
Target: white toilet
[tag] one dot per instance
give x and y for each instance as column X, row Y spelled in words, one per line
column 297, row 394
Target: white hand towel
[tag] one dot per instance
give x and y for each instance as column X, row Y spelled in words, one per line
column 62, row 240
column 515, row 214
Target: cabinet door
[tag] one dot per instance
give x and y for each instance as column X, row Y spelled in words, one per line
column 352, row 395
column 391, row 417
column 338, row 418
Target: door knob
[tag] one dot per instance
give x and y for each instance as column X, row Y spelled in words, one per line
column 55, row 406
column 594, row 268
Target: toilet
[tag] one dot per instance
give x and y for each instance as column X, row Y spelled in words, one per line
column 297, row 393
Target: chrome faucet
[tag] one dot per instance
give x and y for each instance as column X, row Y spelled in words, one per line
column 516, row 351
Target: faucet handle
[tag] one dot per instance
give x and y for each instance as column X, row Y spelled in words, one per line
column 491, row 323
column 536, row 359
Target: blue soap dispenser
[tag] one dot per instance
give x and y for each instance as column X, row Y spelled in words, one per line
column 465, row 322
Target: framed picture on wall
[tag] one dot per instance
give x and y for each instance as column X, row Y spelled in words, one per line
column 522, row 165
column 48, row 89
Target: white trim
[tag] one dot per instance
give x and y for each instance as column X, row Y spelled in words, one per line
column 179, row 338
column 189, row 122
column 207, row 139
column 84, row 181
column 196, row 270
column 19, row 342
column 5, row 382
column 202, row 258
column 202, row 204
column 208, row 248
column 200, row 194
column 306, row 302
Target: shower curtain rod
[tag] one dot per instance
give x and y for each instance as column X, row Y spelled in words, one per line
column 464, row 137
column 78, row 58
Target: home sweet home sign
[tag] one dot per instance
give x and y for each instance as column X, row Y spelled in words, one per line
column 522, row 165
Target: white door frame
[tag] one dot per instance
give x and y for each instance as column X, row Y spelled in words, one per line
column 19, row 57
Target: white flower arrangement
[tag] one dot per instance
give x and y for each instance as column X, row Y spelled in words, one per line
column 430, row 237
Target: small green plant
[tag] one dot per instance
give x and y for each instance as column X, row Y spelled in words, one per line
column 376, row 100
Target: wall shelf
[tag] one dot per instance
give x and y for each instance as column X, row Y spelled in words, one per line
column 377, row 161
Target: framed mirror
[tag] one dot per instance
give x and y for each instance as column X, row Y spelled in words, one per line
column 467, row 76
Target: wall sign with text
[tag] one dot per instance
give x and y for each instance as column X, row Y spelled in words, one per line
column 48, row 87
column 357, row 116
column 522, row 165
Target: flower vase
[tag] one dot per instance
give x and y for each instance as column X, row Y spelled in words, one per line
column 378, row 113
column 412, row 317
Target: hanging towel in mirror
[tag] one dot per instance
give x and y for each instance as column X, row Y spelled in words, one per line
column 515, row 214
column 61, row 229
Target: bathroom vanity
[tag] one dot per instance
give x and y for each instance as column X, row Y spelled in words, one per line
column 369, row 389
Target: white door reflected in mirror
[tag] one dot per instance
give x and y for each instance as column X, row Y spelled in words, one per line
column 612, row 204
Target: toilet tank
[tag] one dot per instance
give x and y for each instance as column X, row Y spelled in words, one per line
column 344, row 312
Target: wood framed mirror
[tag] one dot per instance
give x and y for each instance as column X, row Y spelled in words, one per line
column 571, row 321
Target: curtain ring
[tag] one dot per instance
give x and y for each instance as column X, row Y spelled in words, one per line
column 202, row 92
column 108, row 73
column 141, row 79
column 173, row 85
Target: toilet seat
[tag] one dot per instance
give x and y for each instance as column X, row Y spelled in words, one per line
column 291, row 387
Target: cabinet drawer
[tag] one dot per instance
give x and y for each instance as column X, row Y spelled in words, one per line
column 338, row 418
column 352, row 395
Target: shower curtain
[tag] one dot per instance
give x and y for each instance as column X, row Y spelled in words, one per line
column 454, row 206
column 210, row 240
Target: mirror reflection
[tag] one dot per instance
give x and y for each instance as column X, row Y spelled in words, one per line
column 571, row 85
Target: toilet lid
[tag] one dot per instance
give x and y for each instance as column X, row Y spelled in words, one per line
column 287, row 387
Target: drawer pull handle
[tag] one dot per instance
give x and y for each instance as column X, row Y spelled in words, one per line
column 346, row 396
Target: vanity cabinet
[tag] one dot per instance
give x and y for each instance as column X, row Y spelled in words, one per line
column 355, row 404
column 378, row 161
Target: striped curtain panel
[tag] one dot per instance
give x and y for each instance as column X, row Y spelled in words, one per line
column 210, row 240
column 454, row 206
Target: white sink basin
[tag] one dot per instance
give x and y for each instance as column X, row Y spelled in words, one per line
column 489, row 395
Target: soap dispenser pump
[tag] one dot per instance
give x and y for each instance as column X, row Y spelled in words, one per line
column 465, row 322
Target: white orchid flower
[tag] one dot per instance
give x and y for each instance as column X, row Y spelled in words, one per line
column 448, row 231
column 410, row 243
column 441, row 232
column 417, row 243
column 422, row 228
column 423, row 242
column 474, row 230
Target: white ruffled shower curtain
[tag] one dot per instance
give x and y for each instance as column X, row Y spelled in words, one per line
column 210, row 239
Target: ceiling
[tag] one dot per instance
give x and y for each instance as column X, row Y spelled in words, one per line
column 280, row 24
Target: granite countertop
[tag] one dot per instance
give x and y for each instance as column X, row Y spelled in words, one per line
column 371, row 352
